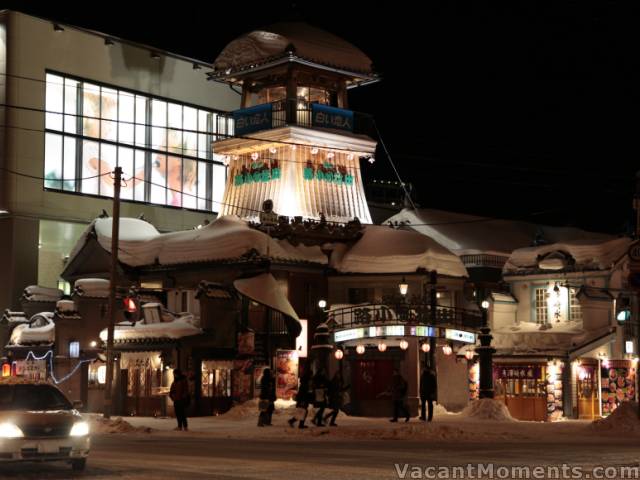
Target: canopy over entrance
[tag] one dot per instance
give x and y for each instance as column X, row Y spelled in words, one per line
column 264, row 289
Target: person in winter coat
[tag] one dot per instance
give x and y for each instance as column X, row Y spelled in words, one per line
column 428, row 392
column 399, row 389
column 267, row 398
column 303, row 399
column 336, row 390
column 179, row 393
column 320, row 386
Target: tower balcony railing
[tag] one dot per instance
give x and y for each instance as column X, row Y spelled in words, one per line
column 370, row 314
column 300, row 113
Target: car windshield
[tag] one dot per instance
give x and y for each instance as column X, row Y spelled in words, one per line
column 32, row 397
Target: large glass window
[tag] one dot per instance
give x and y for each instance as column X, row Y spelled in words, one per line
column 164, row 148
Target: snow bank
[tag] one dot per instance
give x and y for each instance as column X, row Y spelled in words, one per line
column 623, row 419
column 386, row 250
column 40, row 329
column 249, row 408
column 99, row 424
column 92, row 287
column 487, row 409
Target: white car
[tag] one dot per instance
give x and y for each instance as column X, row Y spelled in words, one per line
column 38, row 423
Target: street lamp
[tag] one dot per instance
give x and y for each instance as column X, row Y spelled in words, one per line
column 322, row 303
column 403, row 286
column 485, row 304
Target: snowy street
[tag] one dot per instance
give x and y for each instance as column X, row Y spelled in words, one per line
column 231, row 446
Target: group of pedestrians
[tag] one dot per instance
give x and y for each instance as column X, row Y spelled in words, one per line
column 398, row 393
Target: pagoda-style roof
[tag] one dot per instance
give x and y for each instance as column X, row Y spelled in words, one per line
column 292, row 42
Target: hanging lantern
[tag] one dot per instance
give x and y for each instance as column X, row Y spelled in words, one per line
column 404, row 344
column 314, row 151
column 360, row 349
column 382, row 347
column 425, row 347
column 254, row 156
column 447, row 350
column 403, row 286
column 469, row 355
column 338, row 354
column 372, row 160
column 330, row 155
column 272, row 150
column 350, row 156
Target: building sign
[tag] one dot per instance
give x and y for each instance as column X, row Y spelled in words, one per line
column 346, row 335
column 514, row 372
column 422, row 331
column 330, row 117
column 253, row 119
column 34, row 369
column 286, row 374
column 327, row 172
column 257, row 172
column 460, row 335
column 383, row 331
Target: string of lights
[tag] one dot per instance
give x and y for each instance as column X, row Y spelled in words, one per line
column 49, row 354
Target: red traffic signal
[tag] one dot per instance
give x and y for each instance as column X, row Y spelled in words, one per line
column 130, row 305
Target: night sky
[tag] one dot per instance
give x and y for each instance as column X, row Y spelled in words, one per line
column 523, row 113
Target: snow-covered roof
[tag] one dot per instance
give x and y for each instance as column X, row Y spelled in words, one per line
column 469, row 234
column 36, row 293
column 585, row 255
column 179, row 328
column 92, row 287
column 380, row 250
column 39, row 330
column 310, row 43
column 12, row 318
column 386, row 250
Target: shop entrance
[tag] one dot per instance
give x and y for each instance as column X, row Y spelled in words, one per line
column 215, row 386
column 523, row 389
column 587, row 385
column 370, row 378
column 141, row 380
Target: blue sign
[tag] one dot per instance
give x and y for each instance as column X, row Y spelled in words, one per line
column 253, row 119
column 331, row 117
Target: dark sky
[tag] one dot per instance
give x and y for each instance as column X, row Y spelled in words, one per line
column 501, row 113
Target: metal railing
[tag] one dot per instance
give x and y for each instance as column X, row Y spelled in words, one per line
column 403, row 313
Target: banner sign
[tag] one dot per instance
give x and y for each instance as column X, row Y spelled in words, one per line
column 327, row 172
column 253, row 119
column 331, row 117
column 524, row 372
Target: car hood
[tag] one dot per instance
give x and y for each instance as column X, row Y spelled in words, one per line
column 40, row 418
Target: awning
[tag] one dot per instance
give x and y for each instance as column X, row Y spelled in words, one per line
column 264, row 289
column 592, row 344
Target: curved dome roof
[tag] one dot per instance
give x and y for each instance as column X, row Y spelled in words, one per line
column 310, row 43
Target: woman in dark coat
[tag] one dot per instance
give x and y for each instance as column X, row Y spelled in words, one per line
column 320, row 385
column 179, row 393
column 336, row 391
column 267, row 398
column 303, row 399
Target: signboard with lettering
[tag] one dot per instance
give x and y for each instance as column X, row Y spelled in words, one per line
column 253, row 119
column 331, row 117
column 525, row 372
column 460, row 335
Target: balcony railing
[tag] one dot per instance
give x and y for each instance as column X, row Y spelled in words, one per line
column 403, row 313
column 268, row 116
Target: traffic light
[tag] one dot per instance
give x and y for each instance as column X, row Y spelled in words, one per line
column 130, row 309
column 623, row 310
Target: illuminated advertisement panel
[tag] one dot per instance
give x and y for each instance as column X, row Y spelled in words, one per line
column 460, row 335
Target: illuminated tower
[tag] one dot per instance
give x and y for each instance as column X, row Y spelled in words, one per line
column 295, row 140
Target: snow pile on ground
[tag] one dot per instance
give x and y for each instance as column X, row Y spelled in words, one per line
column 40, row 329
column 487, row 409
column 99, row 424
column 92, row 287
column 623, row 419
column 249, row 408
column 35, row 293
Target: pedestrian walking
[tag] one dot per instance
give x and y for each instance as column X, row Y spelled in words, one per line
column 303, row 399
column 179, row 394
column 398, row 390
column 320, row 386
column 267, row 398
column 428, row 393
column 336, row 393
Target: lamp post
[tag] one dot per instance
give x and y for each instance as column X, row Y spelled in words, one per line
column 485, row 353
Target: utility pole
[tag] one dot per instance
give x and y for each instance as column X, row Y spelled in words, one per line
column 115, row 234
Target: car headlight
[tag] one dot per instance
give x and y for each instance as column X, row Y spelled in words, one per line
column 79, row 429
column 10, row 430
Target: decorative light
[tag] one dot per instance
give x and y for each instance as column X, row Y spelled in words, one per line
column 372, row 160
column 93, row 344
column 485, row 304
column 403, row 286
column 382, row 347
column 102, row 374
column 272, row 150
column 6, row 370
column 322, row 303
column 314, row 151
column 425, row 347
column 447, row 350
column 226, row 160
column 360, row 349
column 331, row 155
column 350, row 157
column 254, row 156
column 338, row 354
column 468, row 355
column 404, row 344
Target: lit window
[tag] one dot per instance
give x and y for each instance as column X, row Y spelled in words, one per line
column 575, row 311
column 542, row 315
column 74, row 349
